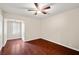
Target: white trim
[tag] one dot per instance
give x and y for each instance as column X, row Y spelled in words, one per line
column 68, row 46
column 64, row 45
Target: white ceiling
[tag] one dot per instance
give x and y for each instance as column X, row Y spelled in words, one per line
column 21, row 9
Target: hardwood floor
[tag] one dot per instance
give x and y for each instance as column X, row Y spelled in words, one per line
column 35, row 47
column 14, row 47
column 51, row 48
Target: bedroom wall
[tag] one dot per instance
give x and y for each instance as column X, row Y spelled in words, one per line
column 32, row 26
column 1, row 29
column 62, row 28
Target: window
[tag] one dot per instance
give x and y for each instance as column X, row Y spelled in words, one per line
column 16, row 28
column 13, row 29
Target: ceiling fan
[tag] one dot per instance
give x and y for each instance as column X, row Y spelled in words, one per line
column 42, row 9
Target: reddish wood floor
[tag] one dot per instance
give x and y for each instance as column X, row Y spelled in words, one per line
column 35, row 47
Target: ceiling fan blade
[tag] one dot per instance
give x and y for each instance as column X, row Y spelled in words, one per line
column 31, row 10
column 48, row 7
column 36, row 4
column 43, row 12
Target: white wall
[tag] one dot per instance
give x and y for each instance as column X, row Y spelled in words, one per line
column 1, row 29
column 32, row 26
column 62, row 28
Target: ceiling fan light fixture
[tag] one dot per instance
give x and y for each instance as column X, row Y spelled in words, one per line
column 38, row 11
column 40, row 8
